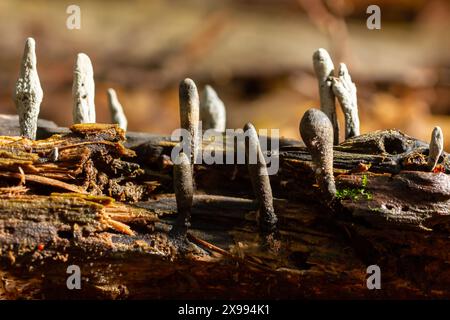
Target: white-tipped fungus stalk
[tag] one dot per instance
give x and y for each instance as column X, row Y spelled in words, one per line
column 189, row 114
column 345, row 91
column 83, row 90
column 436, row 147
column 54, row 154
column 116, row 109
column 184, row 193
column 317, row 133
column 212, row 111
column 28, row 93
column 260, row 181
column 324, row 69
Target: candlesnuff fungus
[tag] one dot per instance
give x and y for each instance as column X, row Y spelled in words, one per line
column 184, row 193
column 28, row 93
column 189, row 113
column 260, row 180
column 116, row 109
column 436, row 147
column 317, row 133
column 345, row 91
column 54, row 154
column 83, row 90
column 324, row 69
column 212, row 110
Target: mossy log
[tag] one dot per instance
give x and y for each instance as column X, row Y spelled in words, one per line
column 107, row 206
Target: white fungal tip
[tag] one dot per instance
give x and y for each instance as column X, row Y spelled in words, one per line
column 343, row 69
column 30, row 47
column 345, row 91
column 437, row 132
column 30, row 41
column 116, row 109
column 323, row 65
column 28, row 92
column 347, row 79
column 28, row 58
column 188, row 82
column 436, row 147
column 188, row 95
column 212, row 110
column 83, row 64
column 83, row 90
column 210, row 92
column 321, row 53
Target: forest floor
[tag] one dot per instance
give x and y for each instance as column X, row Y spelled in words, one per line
column 257, row 54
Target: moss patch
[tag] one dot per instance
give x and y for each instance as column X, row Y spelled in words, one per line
column 355, row 193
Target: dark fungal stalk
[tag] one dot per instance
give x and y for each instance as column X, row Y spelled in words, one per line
column 260, row 181
column 317, row 133
column 184, row 193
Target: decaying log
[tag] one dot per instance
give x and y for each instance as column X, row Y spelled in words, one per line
column 109, row 209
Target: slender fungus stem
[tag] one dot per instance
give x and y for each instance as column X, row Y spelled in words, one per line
column 116, row 109
column 184, row 193
column 189, row 114
column 436, row 147
column 260, row 181
column 317, row 133
column 28, row 93
column 83, row 90
column 212, row 110
column 324, row 69
column 345, row 91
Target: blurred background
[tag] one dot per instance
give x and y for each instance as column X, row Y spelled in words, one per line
column 255, row 53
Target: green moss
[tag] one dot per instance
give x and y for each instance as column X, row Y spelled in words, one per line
column 355, row 193
column 364, row 180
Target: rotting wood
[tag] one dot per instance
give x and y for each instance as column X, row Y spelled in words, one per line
column 391, row 212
